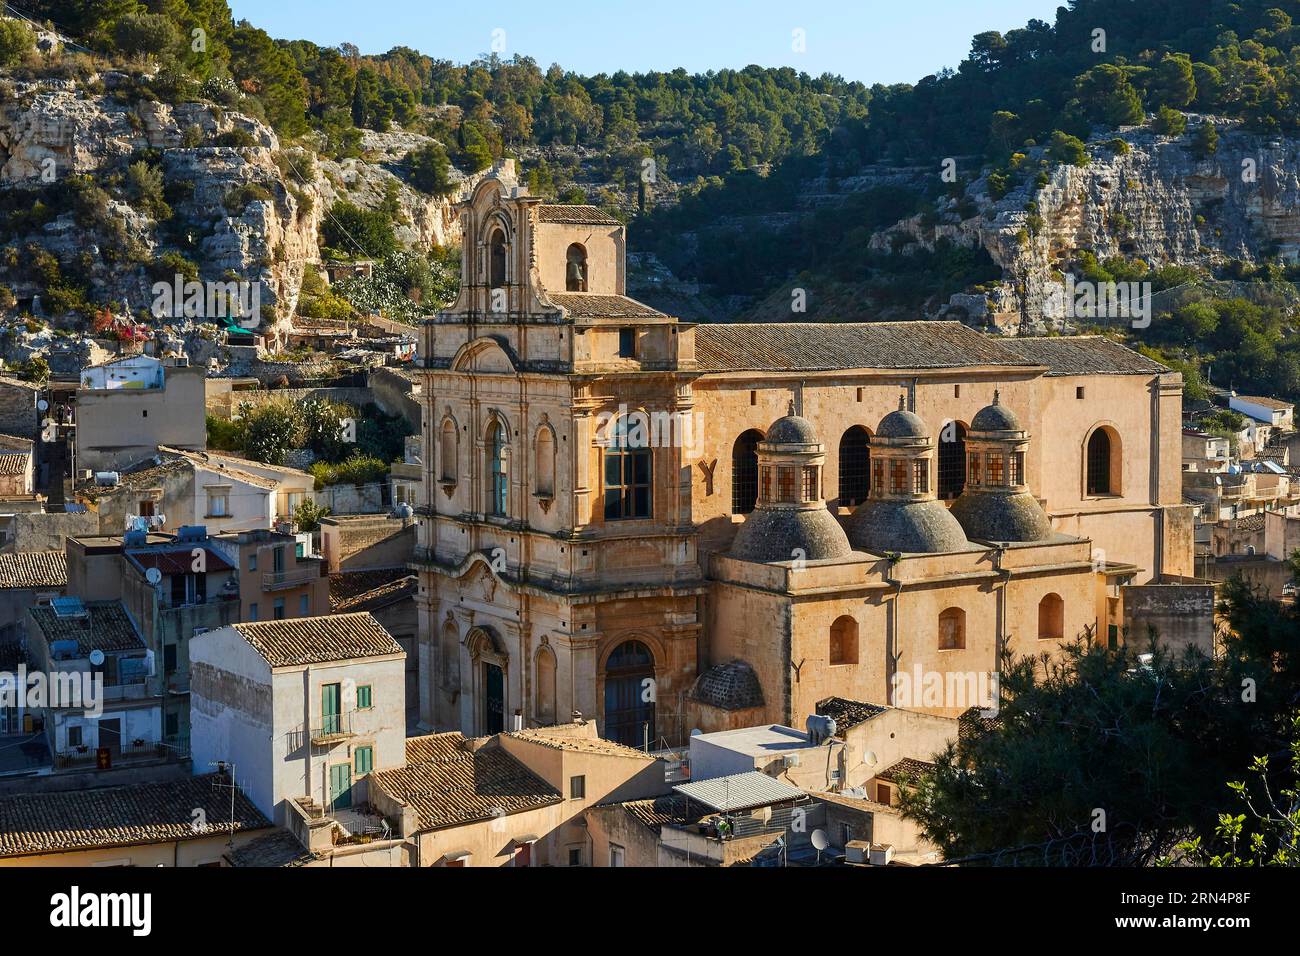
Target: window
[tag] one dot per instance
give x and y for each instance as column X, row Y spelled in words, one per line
column 1051, row 618
column 145, row 509
column 144, row 413
column 497, row 480
column 973, row 476
column 169, row 659
column 218, row 504
column 447, row 451
column 575, row 856
column 628, row 476
column 952, row 460
column 877, row 475
column 1078, row 392
column 952, row 629
column 884, row 794
column 252, row 611
column 627, row 343
column 497, row 260
column 544, row 452
column 785, row 484
column 855, row 466
column 74, row 736
column 277, row 560
column 995, row 469
column 365, row 759
column 577, row 787
column 920, row 477
column 897, row 477
column 575, row 269
column 279, row 609
column 304, row 605
column 252, row 561
column 1099, row 464
column 810, row 483
column 844, row 641
column 765, row 479
column 363, row 697
column 744, row 472
column 172, row 725
column 1016, row 468
column 616, row 855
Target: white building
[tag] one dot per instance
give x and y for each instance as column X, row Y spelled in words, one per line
column 304, row 708
column 1270, row 411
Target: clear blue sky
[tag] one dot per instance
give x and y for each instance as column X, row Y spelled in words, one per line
column 875, row 41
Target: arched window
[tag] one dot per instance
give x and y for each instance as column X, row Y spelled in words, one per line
column 1102, row 464
column 545, row 687
column 952, row 460
column 952, row 629
column 575, row 269
column 855, row 466
column 744, row 472
column 447, row 451
column 630, row 695
column 1051, row 618
column 497, row 260
column 844, row 641
column 449, row 652
column 544, row 467
column 496, row 469
column 629, row 473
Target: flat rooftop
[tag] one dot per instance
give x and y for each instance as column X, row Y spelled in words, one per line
column 758, row 741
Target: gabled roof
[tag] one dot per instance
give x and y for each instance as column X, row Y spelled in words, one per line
column 848, row 714
column 1265, row 402
column 549, row 738
column 64, row 820
column 593, row 305
column 296, row 642
column 905, row 769
column 661, row 811
column 818, row 346
column 437, row 748
column 104, row 626
column 585, row 215
column 178, row 561
column 14, row 462
column 34, row 569
column 1082, row 355
column 465, row 787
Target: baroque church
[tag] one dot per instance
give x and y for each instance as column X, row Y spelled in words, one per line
column 668, row 526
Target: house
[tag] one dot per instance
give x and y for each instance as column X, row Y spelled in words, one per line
column 1270, row 411
column 102, row 705
column 26, row 580
column 16, row 466
column 290, row 487
column 128, row 407
column 190, row 821
column 19, row 414
column 279, row 576
column 308, row 708
column 1205, row 452
column 366, row 542
column 388, row 594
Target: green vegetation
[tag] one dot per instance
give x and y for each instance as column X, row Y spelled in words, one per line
column 345, row 440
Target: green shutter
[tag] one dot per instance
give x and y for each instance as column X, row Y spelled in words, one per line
column 363, row 697
column 365, row 759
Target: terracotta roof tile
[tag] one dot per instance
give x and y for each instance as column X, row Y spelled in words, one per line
column 104, row 626
column 592, row 305
column 34, row 569
column 552, row 740
column 661, row 811
column 347, row 586
column 1082, row 355
column 905, row 769
column 813, row 346
column 437, row 748
column 121, row 816
column 848, row 714
column 316, row 640
column 13, row 463
column 559, row 212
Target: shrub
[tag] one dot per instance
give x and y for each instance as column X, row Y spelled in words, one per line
column 430, row 170
column 16, row 41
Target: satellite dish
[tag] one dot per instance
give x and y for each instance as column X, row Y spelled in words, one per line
column 153, row 576
column 42, row 405
column 819, row 840
column 869, row 758
column 97, row 657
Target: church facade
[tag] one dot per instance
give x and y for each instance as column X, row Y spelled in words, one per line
column 668, row 526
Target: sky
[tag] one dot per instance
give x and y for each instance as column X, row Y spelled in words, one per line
column 875, row 41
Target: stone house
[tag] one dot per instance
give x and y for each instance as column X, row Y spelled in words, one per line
column 25, row 580
column 128, row 407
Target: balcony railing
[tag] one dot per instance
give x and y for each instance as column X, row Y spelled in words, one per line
column 291, row 578
column 332, row 727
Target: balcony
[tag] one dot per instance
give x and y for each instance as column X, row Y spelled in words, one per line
column 292, row 577
column 332, row 728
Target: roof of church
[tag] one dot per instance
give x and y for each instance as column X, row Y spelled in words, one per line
column 995, row 418
column 994, row 516
column 730, row 686
column 810, row 346
column 786, row 534
column 1082, row 355
column 588, row 215
column 593, row 305
column 908, row 527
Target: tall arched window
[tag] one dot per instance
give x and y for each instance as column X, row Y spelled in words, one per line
column 447, row 451
column 545, row 687
column 449, row 651
column 952, row 629
column 498, row 483
column 629, row 473
column 497, row 260
column 575, row 269
column 1051, row 618
column 1100, row 467
column 855, row 466
column 844, row 641
column 544, row 466
column 952, row 460
column 629, row 695
column 744, row 472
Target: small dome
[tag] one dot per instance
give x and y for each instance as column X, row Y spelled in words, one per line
column 773, row 535
column 1002, row 516
column 792, row 429
column 909, row 527
column 995, row 418
column 730, row 686
column 902, row 424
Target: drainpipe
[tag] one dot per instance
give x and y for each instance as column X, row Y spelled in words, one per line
column 891, row 645
column 998, row 553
